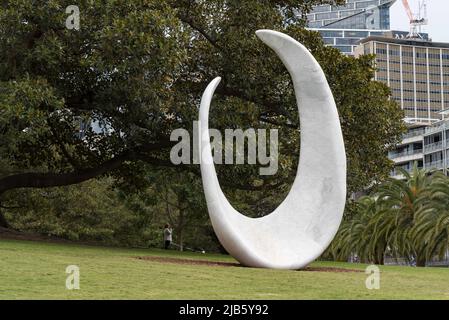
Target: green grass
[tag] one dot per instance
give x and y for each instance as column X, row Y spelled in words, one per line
column 33, row 270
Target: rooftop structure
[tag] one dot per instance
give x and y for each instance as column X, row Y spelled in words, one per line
column 344, row 26
column 417, row 72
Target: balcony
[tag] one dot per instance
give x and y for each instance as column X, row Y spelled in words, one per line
column 435, row 165
column 437, row 146
column 436, row 128
column 414, row 133
column 405, row 153
column 398, row 175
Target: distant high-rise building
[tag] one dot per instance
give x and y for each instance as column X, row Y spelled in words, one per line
column 416, row 70
column 417, row 73
column 344, row 26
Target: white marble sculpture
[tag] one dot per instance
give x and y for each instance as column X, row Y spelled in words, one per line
column 304, row 224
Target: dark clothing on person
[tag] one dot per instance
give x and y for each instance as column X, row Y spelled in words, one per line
column 167, row 237
column 167, row 244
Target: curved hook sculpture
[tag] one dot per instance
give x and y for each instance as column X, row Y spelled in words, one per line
column 304, row 224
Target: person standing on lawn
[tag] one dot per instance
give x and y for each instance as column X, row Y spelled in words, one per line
column 167, row 236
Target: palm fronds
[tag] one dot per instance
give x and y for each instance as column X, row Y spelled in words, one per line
column 406, row 218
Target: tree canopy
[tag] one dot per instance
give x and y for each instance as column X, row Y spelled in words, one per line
column 137, row 69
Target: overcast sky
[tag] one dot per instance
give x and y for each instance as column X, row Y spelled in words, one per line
column 437, row 13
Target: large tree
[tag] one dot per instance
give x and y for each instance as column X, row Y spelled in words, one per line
column 137, row 69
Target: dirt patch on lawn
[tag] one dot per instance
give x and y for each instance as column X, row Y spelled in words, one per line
column 191, row 262
column 234, row 264
column 330, row 269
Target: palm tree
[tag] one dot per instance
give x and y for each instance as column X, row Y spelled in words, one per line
column 432, row 222
column 406, row 218
column 356, row 235
column 406, row 200
column 378, row 230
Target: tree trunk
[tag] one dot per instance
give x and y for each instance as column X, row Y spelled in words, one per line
column 3, row 222
column 48, row 180
column 180, row 231
column 379, row 258
column 379, row 261
column 421, row 261
column 181, row 241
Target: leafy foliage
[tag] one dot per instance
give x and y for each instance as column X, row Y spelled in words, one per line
column 136, row 70
column 91, row 211
column 405, row 218
column 96, row 211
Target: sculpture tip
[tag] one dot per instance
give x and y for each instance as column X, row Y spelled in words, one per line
column 264, row 33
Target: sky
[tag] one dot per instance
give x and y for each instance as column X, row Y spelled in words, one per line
column 437, row 13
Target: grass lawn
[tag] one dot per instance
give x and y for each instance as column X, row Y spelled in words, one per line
column 36, row 270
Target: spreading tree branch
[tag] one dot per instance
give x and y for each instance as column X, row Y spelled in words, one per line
column 47, row 180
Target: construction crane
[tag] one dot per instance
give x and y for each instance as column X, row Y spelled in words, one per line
column 416, row 21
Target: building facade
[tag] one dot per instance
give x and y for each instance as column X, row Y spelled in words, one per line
column 409, row 151
column 427, row 146
column 344, row 26
column 417, row 73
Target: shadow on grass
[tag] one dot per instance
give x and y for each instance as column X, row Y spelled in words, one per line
column 233, row 264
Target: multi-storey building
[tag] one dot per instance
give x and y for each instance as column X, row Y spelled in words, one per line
column 416, row 71
column 344, row 26
column 428, row 146
column 409, row 151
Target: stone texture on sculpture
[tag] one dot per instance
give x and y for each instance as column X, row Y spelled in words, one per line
column 304, row 224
